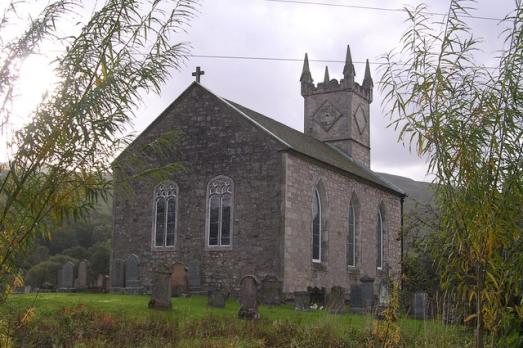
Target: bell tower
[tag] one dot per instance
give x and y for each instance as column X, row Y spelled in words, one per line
column 337, row 112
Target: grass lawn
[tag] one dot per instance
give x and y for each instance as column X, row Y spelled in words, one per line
column 192, row 317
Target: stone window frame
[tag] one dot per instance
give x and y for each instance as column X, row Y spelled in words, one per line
column 354, row 204
column 320, row 264
column 176, row 215
column 316, row 198
column 380, row 238
column 208, row 195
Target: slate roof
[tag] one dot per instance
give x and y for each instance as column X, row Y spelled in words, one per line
column 311, row 147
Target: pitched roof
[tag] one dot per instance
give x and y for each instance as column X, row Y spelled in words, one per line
column 311, row 147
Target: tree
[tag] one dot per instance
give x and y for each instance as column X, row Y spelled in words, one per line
column 467, row 119
column 61, row 159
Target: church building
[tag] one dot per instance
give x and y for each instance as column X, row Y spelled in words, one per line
column 258, row 197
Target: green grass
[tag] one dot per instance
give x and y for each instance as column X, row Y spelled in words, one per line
column 207, row 327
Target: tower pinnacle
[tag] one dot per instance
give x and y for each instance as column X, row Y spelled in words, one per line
column 306, row 73
column 348, row 69
column 326, row 78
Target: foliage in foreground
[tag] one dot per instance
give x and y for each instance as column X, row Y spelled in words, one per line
column 125, row 321
column 59, row 162
column 467, row 120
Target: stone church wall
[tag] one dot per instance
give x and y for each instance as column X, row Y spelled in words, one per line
column 216, row 141
column 336, row 190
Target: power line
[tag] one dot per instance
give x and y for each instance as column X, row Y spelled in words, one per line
column 383, row 9
column 281, row 59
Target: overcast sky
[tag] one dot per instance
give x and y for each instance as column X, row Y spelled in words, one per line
column 265, row 28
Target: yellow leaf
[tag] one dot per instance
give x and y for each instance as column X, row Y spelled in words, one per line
column 470, row 317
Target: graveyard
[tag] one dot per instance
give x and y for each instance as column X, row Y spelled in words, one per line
column 125, row 320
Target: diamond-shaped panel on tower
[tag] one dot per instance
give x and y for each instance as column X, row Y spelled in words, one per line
column 327, row 115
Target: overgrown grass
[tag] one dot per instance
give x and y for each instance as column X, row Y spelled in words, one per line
column 103, row 320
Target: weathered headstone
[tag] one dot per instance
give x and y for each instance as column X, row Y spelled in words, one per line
column 317, row 296
column 356, row 299
column 107, row 283
column 161, row 291
column 81, row 281
column 383, row 299
column 216, row 298
column 271, row 291
column 302, row 300
column 367, row 292
column 336, row 300
column 59, row 279
column 132, row 278
column 67, row 275
column 100, row 281
column 420, row 305
column 193, row 275
column 248, row 298
column 117, row 274
column 27, row 289
column 179, row 280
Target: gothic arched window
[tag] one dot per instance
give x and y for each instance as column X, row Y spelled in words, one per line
column 316, row 227
column 165, row 196
column 219, row 218
column 351, row 238
column 379, row 240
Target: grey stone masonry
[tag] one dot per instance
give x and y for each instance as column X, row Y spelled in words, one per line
column 216, row 141
column 336, row 191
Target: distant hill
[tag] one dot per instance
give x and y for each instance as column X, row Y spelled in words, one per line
column 417, row 191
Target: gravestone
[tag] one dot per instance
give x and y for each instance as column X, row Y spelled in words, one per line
column 81, row 281
column 107, row 283
column 248, row 298
column 271, row 291
column 59, row 279
column 302, row 300
column 356, row 300
column 179, row 280
column 67, row 275
column 383, row 300
column 317, row 296
column 336, row 300
column 132, row 279
column 27, row 289
column 420, row 305
column 216, row 298
column 161, row 291
column 193, row 275
column 117, row 274
column 100, row 281
column 367, row 292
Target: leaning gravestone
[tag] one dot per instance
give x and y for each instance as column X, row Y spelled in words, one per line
column 117, row 274
column 367, row 292
column 248, row 298
column 317, row 296
column 161, row 291
column 271, row 291
column 67, row 275
column 193, row 275
column 132, row 272
column 216, row 298
column 336, row 300
column 420, row 305
column 302, row 301
column 179, row 280
column 356, row 300
column 81, row 281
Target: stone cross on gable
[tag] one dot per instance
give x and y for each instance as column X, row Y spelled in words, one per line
column 198, row 73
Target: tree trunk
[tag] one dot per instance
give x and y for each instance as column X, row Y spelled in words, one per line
column 479, row 321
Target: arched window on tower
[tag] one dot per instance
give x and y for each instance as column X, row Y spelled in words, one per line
column 379, row 240
column 219, row 218
column 316, row 227
column 165, row 196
